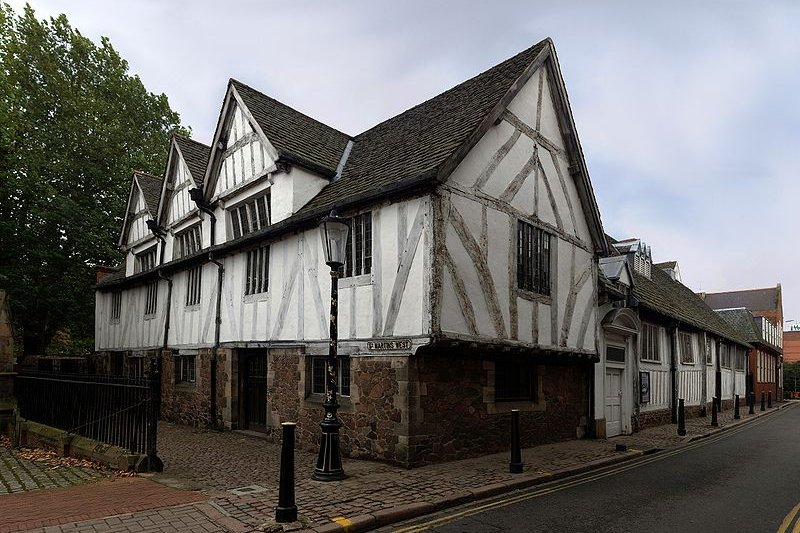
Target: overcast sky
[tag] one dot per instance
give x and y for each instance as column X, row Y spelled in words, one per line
column 688, row 113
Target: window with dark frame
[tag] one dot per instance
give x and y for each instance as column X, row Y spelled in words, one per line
column 146, row 260
column 188, row 242
column 615, row 354
column 194, row 278
column 533, row 259
column 319, row 381
column 725, row 356
column 358, row 253
column 257, row 271
column 151, row 298
column 185, row 368
column 514, row 381
column 251, row 216
column 650, row 343
column 687, row 348
column 116, row 305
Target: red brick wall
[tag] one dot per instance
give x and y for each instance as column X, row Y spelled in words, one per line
column 453, row 414
column 791, row 346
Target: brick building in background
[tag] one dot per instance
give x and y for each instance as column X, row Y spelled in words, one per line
column 791, row 346
column 767, row 303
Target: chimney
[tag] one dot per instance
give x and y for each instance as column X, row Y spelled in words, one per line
column 103, row 271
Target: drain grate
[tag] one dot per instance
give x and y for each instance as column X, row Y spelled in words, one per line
column 250, row 489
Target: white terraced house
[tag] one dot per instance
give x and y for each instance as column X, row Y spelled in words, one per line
column 470, row 286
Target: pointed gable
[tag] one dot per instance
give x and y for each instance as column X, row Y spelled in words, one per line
column 297, row 137
column 255, row 131
column 186, row 164
column 195, row 155
column 142, row 206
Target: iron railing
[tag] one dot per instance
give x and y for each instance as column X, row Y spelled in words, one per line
column 120, row 411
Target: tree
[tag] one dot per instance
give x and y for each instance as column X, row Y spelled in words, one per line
column 74, row 124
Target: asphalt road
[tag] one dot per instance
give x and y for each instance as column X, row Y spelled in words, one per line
column 746, row 479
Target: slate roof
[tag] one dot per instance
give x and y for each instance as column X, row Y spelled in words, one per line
column 664, row 295
column 418, row 141
column 752, row 299
column 296, row 136
column 151, row 189
column 665, row 264
column 195, row 155
column 742, row 321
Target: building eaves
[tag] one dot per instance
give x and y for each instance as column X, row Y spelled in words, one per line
column 662, row 294
column 195, row 155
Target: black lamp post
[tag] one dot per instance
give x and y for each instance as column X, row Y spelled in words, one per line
column 329, row 463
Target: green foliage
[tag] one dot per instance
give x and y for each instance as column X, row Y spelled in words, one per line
column 74, row 124
column 791, row 377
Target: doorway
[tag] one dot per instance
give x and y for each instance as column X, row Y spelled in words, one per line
column 253, row 390
column 613, row 401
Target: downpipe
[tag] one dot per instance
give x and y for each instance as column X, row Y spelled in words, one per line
column 215, row 346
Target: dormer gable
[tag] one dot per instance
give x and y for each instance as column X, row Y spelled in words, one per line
column 185, row 169
column 142, row 206
column 638, row 255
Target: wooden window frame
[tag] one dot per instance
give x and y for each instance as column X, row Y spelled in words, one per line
column 146, row 260
column 251, row 215
column 185, row 369
column 194, row 280
column 647, row 354
column 359, row 246
column 319, row 378
column 534, row 256
column 189, row 241
column 256, row 279
column 151, row 299
column 687, row 344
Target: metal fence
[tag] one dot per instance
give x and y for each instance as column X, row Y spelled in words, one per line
column 114, row 410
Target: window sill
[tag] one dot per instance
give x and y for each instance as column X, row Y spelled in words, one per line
column 316, row 400
column 534, row 296
column 524, row 406
column 356, row 281
column 114, row 321
column 151, row 316
column 185, row 386
column 191, row 308
column 258, row 297
column 651, row 361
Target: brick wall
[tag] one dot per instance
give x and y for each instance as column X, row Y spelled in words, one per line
column 371, row 417
column 190, row 403
column 453, row 413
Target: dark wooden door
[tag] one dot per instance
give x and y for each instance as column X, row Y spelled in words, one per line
column 254, row 392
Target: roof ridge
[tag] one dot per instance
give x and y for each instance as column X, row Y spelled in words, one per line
column 497, row 66
column 142, row 173
column 743, row 290
column 185, row 138
column 238, row 83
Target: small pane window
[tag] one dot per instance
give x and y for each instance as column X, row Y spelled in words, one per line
column 319, row 380
column 650, row 343
column 533, row 259
column 185, row 369
column 514, row 381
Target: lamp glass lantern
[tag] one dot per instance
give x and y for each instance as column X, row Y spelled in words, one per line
column 335, row 230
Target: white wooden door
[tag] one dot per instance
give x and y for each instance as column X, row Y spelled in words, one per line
column 613, row 391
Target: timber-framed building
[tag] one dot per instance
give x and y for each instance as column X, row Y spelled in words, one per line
column 470, row 286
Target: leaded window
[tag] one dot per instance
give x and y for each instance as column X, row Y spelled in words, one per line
column 251, row 216
column 257, row 271
column 650, row 343
column 533, row 259
column 358, row 254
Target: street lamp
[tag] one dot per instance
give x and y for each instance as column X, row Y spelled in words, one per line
column 329, row 463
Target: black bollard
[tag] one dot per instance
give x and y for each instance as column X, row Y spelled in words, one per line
column 736, row 415
column 719, row 404
column 714, row 422
column 681, row 418
column 763, row 404
column 769, row 400
column 515, row 467
column 752, row 403
column 286, row 511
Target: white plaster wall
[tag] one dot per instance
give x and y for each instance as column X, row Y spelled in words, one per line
column 498, row 182
column 132, row 331
column 297, row 304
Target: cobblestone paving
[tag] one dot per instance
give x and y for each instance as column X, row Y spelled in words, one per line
column 185, row 518
column 217, row 462
column 19, row 475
